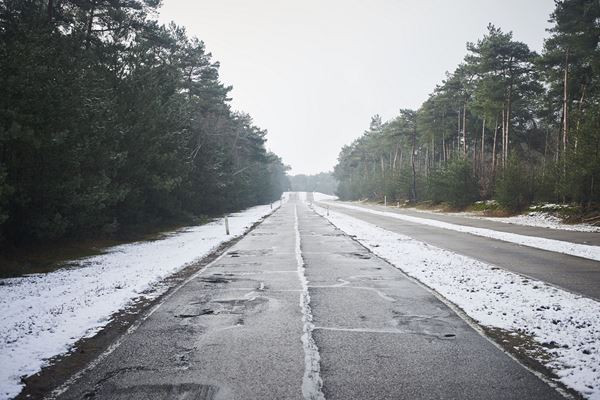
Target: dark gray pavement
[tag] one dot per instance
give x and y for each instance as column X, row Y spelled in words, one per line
column 578, row 275
column 234, row 331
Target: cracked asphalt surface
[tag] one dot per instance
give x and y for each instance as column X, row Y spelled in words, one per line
column 575, row 274
column 234, row 330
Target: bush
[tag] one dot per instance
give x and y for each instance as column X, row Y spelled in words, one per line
column 454, row 184
column 514, row 189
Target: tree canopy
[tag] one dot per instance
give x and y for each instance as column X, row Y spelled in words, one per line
column 506, row 112
column 108, row 118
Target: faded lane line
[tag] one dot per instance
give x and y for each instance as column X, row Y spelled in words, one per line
column 311, row 381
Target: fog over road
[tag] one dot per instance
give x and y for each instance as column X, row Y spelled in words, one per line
column 297, row 309
column 576, row 274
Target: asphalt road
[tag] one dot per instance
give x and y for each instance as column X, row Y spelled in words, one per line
column 578, row 275
column 238, row 330
column 591, row 238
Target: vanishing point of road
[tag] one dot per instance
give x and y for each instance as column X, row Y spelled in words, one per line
column 298, row 310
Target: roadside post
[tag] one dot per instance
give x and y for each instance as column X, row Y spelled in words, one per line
column 385, row 201
column 328, row 210
column 226, row 225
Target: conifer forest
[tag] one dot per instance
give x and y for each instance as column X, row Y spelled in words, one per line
column 108, row 119
column 507, row 124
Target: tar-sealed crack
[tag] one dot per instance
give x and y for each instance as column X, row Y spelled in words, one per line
column 311, row 382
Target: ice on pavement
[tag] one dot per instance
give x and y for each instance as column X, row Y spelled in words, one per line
column 558, row 246
column 43, row 315
column 566, row 326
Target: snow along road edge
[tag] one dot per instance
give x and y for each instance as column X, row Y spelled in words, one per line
column 311, row 381
column 557, row 246
column 44, row 315
column 564, row 325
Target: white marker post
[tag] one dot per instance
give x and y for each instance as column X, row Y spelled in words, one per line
column 328, row 210
column 398, row 204
column 385, row 201
column 226, row 226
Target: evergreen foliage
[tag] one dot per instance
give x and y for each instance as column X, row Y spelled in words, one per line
column 507, row 123
column 109, row 119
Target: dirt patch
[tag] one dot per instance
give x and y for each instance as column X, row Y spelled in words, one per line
column 529, row 353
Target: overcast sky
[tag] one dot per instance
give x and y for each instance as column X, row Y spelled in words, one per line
column 313, row 72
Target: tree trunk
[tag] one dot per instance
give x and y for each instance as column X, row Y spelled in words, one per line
column 494, row 146
column 427, row 161
column 545, row 154
column 50, row 10
column 433, row 151
column 459, row 133
column 88, row 35
column 565, row 130
column 414, row 171
column 508, row 115
column 445, row 156
column 464, row 130
column 503, row 135
column 579, row 114
column 483, row 144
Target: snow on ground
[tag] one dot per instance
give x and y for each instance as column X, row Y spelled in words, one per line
column 558, row 246
column 565, row 325
column 539, row 216
column 542, row 219
column 43, row 315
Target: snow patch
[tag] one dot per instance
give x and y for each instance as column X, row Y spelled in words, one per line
column 311, row 381
column 544, row 220
column 558, row 246
column 43, row 315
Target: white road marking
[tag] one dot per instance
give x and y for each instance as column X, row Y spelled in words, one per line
column 311, row 381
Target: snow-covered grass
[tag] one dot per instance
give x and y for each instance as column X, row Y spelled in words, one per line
column 543, row 219
column 558, row 246
column 43, row 315
column 566, row 326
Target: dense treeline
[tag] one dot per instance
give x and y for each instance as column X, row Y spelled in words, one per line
column 507, row 124
column 109, row 119
column 323, row 182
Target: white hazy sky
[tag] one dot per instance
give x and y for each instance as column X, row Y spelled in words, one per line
column 313, row 72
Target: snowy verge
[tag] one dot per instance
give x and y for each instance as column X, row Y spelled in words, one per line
column 564, row 326
column 43, row 315
column 558, row 246
column 542, row 219
column 538, row 216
